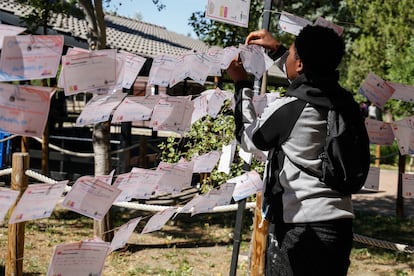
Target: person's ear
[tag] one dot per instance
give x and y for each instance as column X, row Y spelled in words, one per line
column 299, row 66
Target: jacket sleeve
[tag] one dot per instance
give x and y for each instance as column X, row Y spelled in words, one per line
column 259, row 133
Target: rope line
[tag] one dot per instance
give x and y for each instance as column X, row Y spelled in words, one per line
column 9, row 138
column 384, row 244
column 5, row 172
column 84, row 154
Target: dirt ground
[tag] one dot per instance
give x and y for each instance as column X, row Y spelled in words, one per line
column 199, row 245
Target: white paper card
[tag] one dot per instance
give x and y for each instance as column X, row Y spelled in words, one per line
column 147, row 182
column 408, row 185
column 175, row 178
column 172, row 113
column 373, row 178
column 403, row 131
column 291, row 23
column 161, row 70
column 379, row 132
column 132, row 66
column 24, row 109
column 99, row 109
column 7, row 199
column 214, row 198
column 90, row 71
column 157, row 221
column 247, row 184
column 376, row 90
column 403, row 92
column 205, row 163
column 29, row 57
column 320, row 21
column 123, row 234
column 9, row 30
column 135, row 108
column 235, row 12
column 38, row 201
column 91, row 197
column 74, row 259
column 227, row 156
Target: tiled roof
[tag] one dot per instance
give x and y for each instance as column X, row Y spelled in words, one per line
column 124, row 33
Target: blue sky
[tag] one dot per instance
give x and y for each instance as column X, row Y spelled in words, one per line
column 174, row 16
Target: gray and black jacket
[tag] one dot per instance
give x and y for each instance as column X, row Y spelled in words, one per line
column 294, row 195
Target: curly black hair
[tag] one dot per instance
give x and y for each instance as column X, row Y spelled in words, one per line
column 321, row 50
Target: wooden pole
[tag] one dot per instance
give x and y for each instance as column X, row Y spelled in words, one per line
column 45, row 150
column 258, row 244
column 377, row 155
column 15, row 245
column 24, row 144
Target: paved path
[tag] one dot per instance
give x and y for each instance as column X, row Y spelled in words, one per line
column 384, row 201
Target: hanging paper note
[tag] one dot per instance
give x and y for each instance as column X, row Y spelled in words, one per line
column 255, row 61
column 123, row 234
column 38, row 201
column 247, row 184
column 200, row 108
column 291, row 23
column 193, row 66
column 147, row 181
column 29, row 57
column 132, row 66
column 135, row 108
column 9, row 30
column 172, row 113
column 90, row 71
column 7, row 198
column 24, row 109
column 214, row 198
column 326, row 23
column 91, row 197
column 99, row 109
column 74, row 259
column 373, row 178
column 403, row 92
column 157, row 221
column 235, row 12
column 376, row 90
column 226, row 157
column 379, row 132
column 205, row 163
column 216, row 101
column 403, row 133
column 408, row 185
column 175, row 178
column 161, row 70
column 229, row 54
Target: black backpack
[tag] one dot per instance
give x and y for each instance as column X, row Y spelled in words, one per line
column 346, row 154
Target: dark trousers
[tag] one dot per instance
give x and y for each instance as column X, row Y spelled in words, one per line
column 319, row 249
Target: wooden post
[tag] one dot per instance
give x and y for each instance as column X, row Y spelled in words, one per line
column 24, row 144
column 45, row 150
column 258, row 243
column 15, row 245
column 377, row 155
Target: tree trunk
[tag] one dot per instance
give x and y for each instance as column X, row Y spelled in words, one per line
column 101, row 132
column 101, row 147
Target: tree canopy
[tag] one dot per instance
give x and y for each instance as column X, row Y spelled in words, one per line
column 378, row 36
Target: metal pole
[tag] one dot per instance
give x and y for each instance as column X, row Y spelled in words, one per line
column 400, row 200
column 237, row 237
column 242, row 203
